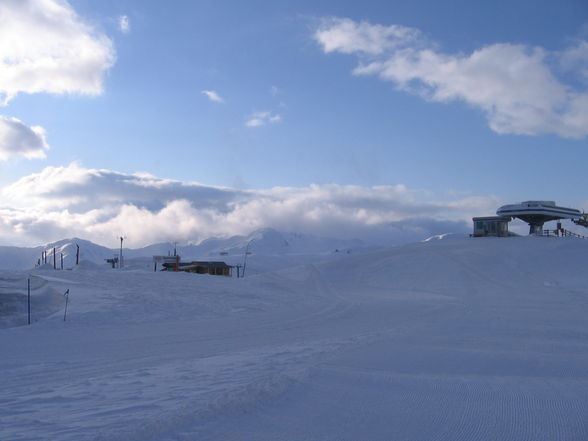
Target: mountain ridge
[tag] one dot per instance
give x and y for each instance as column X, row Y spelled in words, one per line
column 266, row 241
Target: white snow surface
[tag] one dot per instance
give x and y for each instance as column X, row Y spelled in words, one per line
column 461, row 339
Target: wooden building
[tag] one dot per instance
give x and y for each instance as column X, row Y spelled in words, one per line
column 212, row 268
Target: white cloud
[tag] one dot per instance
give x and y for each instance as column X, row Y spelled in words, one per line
column 18, row 139
column 514, row 85
column 123, row 24
column 79, row 189
column 213, row 96
column 347, row 36
column 575, row 59
column 61, row 202
column 258, row 119
column 46, row 47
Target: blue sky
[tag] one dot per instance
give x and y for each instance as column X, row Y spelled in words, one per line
column 368, row 119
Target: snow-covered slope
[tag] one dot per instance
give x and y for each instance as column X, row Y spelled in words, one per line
column 450, row 339
column 269, row 241
column 19, row 258
column 25, row 258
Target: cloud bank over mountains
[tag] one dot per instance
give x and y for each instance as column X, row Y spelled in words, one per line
column 100, row 205
column 519, row 88
column 45, row 47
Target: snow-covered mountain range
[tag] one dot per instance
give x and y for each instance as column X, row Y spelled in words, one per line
column 266, row 242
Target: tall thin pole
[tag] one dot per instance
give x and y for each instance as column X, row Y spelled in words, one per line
column 54, row 259
column 29, row 298
column 66, row 294
column 120, row 259
column 77, row 254
column 245, row 259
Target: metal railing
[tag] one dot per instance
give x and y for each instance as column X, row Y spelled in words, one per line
column 562, row 233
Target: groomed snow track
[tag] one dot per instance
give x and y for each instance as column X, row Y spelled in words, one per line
column 457, row 339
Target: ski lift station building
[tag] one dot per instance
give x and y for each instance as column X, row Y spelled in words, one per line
column 534, row 213
column 491, row 226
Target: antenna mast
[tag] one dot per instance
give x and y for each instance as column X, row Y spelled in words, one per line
column 120, row 259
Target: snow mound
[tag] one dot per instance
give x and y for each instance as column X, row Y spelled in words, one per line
column 45, row 300
column 45, row 266
column 89, row 265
